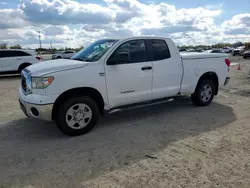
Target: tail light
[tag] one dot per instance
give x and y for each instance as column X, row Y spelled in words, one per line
column 39, row 58
column 227, row 61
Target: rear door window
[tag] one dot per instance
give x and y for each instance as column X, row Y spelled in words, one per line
column 2, row 55
column 20, row 53
column 6, row 53
column 160, row 50
column 9, row 53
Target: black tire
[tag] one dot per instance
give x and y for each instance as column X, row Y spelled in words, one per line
column 244, row 57
column 59, row 57
column 197, row 97
column 194, row 99
column 61, row 115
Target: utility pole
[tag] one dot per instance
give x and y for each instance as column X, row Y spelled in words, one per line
column 51, row 45
column 40, row 39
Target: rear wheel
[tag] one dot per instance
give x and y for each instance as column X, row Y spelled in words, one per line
column 204, row 93
column 244, row 57
column 77, row 116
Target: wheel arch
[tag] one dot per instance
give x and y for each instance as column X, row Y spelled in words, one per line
column 212, row 76
column 23, row 65
column 86, row 91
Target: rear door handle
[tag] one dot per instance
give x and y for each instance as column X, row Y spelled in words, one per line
column 146, row 68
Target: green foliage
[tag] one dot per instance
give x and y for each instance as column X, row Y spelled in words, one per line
column 17, row 46
column 3, row 46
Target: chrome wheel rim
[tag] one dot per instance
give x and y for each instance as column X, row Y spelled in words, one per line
column 78, row 116
column 206, row 93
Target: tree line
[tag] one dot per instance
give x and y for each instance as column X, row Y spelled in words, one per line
column 5, row 46
column 38, row 50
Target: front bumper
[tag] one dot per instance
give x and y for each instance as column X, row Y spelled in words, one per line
column 43, row 112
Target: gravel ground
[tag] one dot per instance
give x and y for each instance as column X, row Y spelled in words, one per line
column 169, row 145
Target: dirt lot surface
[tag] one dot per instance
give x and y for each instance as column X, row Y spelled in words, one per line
column 170, row 145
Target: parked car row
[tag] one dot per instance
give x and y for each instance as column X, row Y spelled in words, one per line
column 241, row 51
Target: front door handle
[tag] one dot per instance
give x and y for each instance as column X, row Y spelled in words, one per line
column 146, row 68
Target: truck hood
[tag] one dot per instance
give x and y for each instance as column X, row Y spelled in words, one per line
column 196, row 55
column 46, row 67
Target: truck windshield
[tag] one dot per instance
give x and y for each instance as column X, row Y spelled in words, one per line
column 95, row 51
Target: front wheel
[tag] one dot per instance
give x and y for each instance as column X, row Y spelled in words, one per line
column 77, row 116
column 204, row 93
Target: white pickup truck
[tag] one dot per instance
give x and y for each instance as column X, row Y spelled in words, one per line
column 116, row 74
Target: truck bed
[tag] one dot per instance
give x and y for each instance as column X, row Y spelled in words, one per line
column 196, row 55
column 196, row 64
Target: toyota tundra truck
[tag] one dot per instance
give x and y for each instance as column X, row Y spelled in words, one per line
column 117, row 74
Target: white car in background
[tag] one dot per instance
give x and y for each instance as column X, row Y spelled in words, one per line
column 13, row 60
column 63, row 55
column 227, row 50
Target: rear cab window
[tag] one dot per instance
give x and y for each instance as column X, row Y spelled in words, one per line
column 160, row 50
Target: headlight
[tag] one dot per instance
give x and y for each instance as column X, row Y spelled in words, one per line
column 41, row 82
column 26, row 77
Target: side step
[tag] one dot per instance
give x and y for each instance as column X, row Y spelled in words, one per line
column 134, row 106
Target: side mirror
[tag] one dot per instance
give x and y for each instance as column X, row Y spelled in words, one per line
column 119, row 58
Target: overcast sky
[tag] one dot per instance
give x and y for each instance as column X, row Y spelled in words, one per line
column 74, row 23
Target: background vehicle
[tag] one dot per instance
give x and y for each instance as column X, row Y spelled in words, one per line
column 111, row 75
column 227, row 50
column 239, row 51
column 246, row 54
column 63, row 55
column 214, row 51
column 16, row 60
